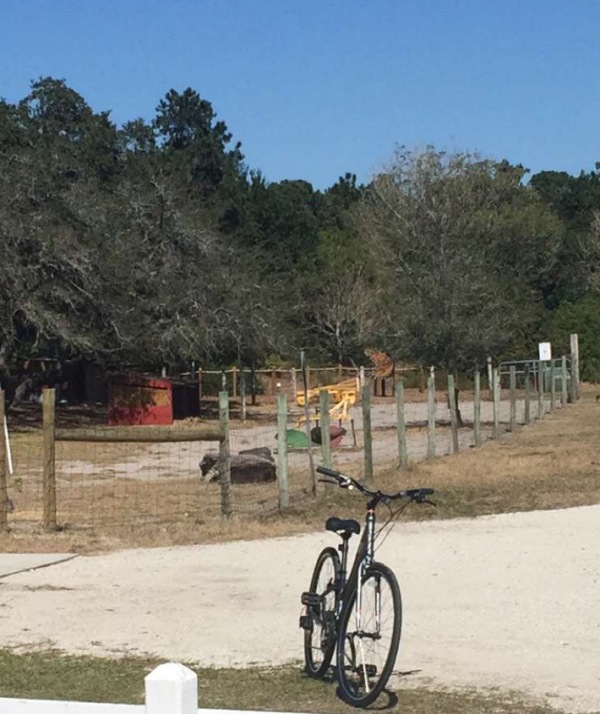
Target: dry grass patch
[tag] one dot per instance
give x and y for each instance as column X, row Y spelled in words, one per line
column 551, row 464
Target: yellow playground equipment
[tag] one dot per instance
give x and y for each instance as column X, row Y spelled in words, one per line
column 342, row 394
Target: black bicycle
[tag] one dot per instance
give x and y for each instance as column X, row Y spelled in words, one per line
column 360, row 614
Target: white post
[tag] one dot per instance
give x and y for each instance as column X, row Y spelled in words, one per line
column 171, row 688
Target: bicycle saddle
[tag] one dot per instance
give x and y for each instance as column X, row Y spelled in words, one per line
column 347, row 527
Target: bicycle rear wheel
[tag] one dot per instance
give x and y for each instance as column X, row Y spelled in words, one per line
column 320, row 637
column 369, row 636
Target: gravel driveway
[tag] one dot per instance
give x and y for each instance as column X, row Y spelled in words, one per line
column 509, row 601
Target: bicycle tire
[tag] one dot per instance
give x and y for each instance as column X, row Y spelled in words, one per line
column 367, row 647
column 320, row 639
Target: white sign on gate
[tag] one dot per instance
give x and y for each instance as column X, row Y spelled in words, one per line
column 545, row 351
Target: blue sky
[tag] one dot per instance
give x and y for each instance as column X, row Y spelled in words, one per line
column 317, row 88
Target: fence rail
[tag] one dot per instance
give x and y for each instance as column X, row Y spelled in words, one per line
column 106, row 476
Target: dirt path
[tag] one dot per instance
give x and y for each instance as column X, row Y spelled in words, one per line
column 509, row 601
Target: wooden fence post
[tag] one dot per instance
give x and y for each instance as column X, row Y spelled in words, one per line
column 431, row 415
column 49, row 479
column 513, row 397
column 552, row 385
column 453, row 417
column 325, row 428
column 234, row 382
column 367, row 434
column 563, row 380
column 527, row 395
column 225, row 455
column 490, row 376
column 273, row 383
column 223, row 380
column 311, row 462
column 282, row 458
column 294, row 385
column 541, row 389
column 496, row 397
column 253, row 383
column 243, row 392
column 3, row 481
column 401, row 424
column 575, row 365
column 477, row 407
column 200, row 392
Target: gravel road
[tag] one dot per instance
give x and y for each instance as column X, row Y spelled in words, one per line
column 510, row 601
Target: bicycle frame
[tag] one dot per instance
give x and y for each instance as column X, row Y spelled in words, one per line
column 362, row 560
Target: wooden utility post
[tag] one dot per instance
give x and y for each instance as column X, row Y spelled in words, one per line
column 49, row 478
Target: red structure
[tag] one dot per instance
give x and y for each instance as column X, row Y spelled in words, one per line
column 134, row 399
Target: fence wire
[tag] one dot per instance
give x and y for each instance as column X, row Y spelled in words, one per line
column 102, row 485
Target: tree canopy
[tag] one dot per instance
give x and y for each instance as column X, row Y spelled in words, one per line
column 154, row 243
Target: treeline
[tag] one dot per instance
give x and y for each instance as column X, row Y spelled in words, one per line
column 155, row 244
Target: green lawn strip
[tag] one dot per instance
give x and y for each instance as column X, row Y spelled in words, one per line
column 52, row 675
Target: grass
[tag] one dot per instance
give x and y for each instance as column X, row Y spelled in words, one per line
column 52, row 675
column 550, row 464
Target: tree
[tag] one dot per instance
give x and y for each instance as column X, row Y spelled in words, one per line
column 464, row 244
column 582, row 317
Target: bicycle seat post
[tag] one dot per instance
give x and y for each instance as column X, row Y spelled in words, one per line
column 343, row 548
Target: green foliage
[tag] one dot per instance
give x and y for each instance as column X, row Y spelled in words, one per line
column 582, row 317
column 154, row 243
column 468, row 250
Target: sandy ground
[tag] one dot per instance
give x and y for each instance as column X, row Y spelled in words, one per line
column 510, row 601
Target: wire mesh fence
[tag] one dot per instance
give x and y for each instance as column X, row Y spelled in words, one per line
column 99, row 477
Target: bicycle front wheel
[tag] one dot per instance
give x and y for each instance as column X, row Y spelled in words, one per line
column 320, row 637
column 369, row 636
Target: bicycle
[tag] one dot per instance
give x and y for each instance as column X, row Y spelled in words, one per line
column 360, row 615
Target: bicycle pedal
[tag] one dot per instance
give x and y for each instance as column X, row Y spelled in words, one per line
column 310, row 599
column 371, row 670
column 306, row 623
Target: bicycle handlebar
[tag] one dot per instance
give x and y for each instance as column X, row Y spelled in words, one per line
column 414, row 494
